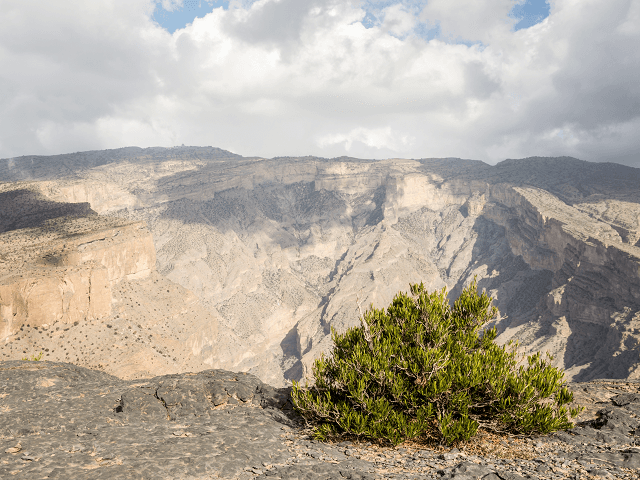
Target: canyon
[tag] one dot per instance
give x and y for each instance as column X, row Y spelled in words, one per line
column 144, row 262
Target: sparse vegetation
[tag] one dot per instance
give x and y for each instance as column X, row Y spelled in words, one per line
column 425, row 369
column 34, row 358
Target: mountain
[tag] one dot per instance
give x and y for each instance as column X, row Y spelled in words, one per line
column 262, row 257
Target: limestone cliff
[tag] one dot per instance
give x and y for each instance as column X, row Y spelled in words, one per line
column 591, row 314
column 64, row 269
column 278, row 251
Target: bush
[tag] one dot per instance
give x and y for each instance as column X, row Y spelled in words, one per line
column 425, row 369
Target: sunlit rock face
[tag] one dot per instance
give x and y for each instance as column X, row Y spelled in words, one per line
column 281, row 250
column 63, row 269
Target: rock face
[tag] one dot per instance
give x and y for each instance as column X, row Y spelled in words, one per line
column 59, row 420
column 279, row 251
column 63, row 421
column 63, row 270
column 67, row 272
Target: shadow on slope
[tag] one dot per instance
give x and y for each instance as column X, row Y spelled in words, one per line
column 518, row 290
column 569, row 178
column 25, row 208
column 69, row 165
column 591, row 328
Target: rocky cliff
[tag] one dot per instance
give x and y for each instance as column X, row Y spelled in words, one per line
column 64, row 270
column 74, row 285
column 278, row 251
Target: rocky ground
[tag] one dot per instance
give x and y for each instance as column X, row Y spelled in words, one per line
column 58, row 420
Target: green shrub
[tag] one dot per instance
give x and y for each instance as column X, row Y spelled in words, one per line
column 426, row 369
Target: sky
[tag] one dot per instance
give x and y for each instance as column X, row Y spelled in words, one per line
column 479, row 79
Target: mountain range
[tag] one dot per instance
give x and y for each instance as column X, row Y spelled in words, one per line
column 143, row 262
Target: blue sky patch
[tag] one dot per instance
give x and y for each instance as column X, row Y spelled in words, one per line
column 183, row 16
column 530, row 13
column 428, row 32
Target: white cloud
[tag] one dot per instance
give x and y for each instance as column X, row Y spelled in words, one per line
column 292, row 77
column 171, row 5
column 398, row 20
column 472, row 20
column 379, row 138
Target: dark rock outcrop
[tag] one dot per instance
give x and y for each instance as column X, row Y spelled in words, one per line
column 59, row 420
column 62, row 421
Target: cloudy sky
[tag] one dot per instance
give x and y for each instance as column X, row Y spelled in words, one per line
column 481, row 79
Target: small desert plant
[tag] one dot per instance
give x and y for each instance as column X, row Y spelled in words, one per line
column 426, row 369
column 34, row 358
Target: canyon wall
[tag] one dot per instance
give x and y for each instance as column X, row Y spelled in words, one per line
column 63, row 270
column 278, row 251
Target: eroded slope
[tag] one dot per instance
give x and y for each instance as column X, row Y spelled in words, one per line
column 278, row 251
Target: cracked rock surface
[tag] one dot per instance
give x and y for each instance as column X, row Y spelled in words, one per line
column 58, row 420
column 64, row 421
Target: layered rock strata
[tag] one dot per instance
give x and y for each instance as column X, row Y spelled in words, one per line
column 64, row 270
column 279, row 251
column 77, row 286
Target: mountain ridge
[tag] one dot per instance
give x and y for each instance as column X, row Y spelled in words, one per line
column 280, row 250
